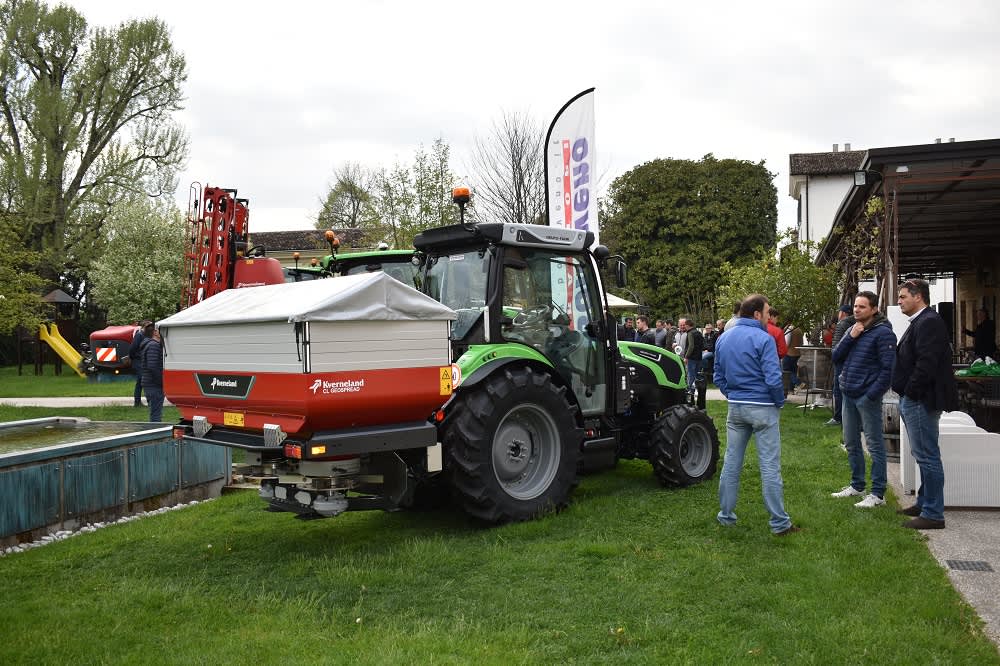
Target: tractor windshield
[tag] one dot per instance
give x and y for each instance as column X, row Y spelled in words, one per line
column 458, row 280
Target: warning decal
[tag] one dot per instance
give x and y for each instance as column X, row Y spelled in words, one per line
column 446, row 383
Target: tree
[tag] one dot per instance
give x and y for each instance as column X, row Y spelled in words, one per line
column 85, row 122
column 21, row 301
column 131, row 289
column 676, row 222
column 805, row 294
column 348, row 202
column 508, row 169
column 392, row 205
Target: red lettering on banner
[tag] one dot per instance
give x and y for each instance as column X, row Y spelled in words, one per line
column 567, row 187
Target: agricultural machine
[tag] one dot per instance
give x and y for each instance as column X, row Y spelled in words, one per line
column 499, row 380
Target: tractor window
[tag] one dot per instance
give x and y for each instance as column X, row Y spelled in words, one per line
column 458, row 280
column 405, row 272
column 548, row 301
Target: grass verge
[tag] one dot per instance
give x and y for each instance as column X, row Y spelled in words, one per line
column 629, row 573
column 50, row 385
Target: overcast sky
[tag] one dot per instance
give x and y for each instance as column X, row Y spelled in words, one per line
column 278, row 94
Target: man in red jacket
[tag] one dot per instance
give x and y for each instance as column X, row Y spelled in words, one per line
column 775, row 332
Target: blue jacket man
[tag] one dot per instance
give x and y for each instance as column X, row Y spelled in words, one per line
column 865, row 356
column 748, row 374
column 142, row 335
column 152, row 376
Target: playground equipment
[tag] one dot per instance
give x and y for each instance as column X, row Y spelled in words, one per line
column 51, row 336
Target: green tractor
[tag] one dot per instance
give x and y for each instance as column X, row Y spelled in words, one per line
column 543, row 388
column 535, row 389
column 398, row 264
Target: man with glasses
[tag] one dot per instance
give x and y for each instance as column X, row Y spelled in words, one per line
column 924, row 380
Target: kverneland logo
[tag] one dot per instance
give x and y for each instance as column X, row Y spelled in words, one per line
column 225, row 386
column 322, row 386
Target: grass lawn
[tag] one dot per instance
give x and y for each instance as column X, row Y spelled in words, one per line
column 48, row 385
column 629, row 573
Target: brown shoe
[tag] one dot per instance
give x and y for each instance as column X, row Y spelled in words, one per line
column 921, row 523
column 788, row 530
column 913, row 511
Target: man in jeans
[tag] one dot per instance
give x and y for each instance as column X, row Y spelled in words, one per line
column 747, row 373
column 693, row 346
column 925, row 382
column 865, row 355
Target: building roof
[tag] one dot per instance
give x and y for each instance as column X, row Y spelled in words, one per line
column 825, row 164
column 943, row 205
column 59, row 296
column 303, row 239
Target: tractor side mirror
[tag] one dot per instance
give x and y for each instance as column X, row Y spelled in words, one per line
column 621, row 273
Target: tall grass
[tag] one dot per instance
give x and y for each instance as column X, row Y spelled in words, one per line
column 629, row 573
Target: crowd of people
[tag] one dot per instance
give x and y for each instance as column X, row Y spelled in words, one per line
column 750, row 352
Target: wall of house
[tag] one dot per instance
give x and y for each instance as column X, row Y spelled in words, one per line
column 819, row 201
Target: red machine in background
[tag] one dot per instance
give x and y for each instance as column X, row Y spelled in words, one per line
column 217, row 258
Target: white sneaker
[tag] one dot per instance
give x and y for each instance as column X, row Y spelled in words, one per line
column 848, row 491
column 870, row 501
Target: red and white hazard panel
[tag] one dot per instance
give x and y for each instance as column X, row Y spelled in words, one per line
column 107, row 354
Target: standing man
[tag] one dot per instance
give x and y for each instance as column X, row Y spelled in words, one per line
column 984, row 338
column 629, row 330
column 790, row 363
column 708, row 356
column 747, row 373
column 845, row 319
column 139, row 339
column 866, row 356
column 661, row 333
column 152, row 376
column 924, row 380
column 775, row 332
column 692, row 347
column 644, row 333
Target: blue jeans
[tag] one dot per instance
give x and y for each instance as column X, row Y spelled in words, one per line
column 864, row 414
column 922, row 429
column 154, row 396
column 137, row 391
column 761, row 421
column 693, row 368
column 790, row 364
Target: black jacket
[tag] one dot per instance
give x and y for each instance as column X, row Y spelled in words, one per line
column 984, row 339
column 152, row 364
column 694, row 345
column 923, row 369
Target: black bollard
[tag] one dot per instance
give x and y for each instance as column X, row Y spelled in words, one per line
column 701, row 384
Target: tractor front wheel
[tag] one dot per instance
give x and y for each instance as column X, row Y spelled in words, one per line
column 685, row 446
column 513, row 445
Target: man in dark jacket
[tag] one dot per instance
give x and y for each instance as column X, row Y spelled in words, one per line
column 925, row 382
column 142, row 335
column 845, row 320
column 644, row 333
column 984, row 338
column 694, row 345
column 866, row 356
column 152, row 376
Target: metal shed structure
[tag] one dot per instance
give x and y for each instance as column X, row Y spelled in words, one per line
column 941, row 218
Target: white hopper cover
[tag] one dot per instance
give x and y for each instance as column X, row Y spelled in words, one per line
column 369, row 297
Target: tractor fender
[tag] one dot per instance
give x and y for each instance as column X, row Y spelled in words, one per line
column 497, row 364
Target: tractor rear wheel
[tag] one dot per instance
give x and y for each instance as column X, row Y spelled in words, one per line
column 512, row 444
column 685, row 446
